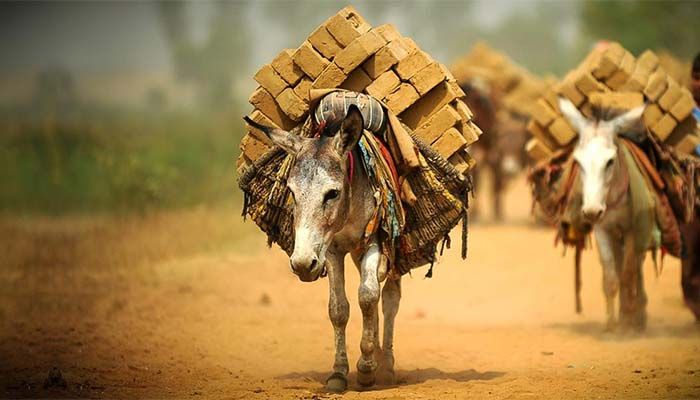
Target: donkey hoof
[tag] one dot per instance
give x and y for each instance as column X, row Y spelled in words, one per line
column 337, row 383
column 365, row 378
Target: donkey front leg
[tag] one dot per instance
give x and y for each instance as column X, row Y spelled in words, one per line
column 339, row 311
column 391, row 297
column 632, row 297
column 368, row 295
column 610, row 253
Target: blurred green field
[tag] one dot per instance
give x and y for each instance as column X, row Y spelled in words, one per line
column 93, row 160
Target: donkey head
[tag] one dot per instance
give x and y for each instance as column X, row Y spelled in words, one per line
column 596, row 154
column 320, row 188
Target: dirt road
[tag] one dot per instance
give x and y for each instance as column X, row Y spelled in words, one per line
column 231, row 321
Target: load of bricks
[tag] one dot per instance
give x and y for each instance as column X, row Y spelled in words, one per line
column 516, row 87
column 679, row 69
column 610, row 77
column 346, row 52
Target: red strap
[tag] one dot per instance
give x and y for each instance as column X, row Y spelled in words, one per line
column 351, row 166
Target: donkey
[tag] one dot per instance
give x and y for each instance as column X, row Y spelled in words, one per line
column 331, row 213
column 607, row 207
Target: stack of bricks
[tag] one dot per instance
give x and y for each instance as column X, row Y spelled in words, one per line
column 346, row 52
column 517, row 88
column 611, row 77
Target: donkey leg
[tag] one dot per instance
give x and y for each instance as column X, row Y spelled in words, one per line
column 368, row 295
column 391, row 297
column 631, row 315
column 609, row 252
column 338, row 311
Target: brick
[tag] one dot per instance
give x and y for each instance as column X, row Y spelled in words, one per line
column 651, row 115
column 344, row 30
column 688, row 144
column 401, row 98
column 543, row 113
column 537, row 131
column 385, row 58
column 623, row 73
column 536, row 150
column 383, row 85
column 621, row 101
column 388, row 32
column 410, row 45
column 656, row 86
column 562, row 132
column 438, row 123
column 358, row 51
column 410, row 65
column 683, row 107
column 270, row 80
column 253, row 148
column 608, row 63
column 586, row 109
column 357, row 81
column 351, row 14
column 687, row 127
column 427, row 78
column 648, row 61
column 324, row 42
column 552, row 98
column 568, row 90
column 285, row 67
column 330, row 78
column 664, row 127
column 587, row 84
column 292, row 105
column 265, row 102
column 638, row 81
column 434, row 100
column 671, row 95
column 309, row 60
column 260, row 118
column 469, row 131
column 464, row 112
column 302, row 89
column 460, row 164
column 449, row 143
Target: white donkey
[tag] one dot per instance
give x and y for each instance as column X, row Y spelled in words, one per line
column 607, row 206
column 330, row 216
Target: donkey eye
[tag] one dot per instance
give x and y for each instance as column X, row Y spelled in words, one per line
column 331, row 195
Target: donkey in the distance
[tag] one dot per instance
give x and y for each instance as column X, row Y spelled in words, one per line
column 607, row 207
column 330, row 216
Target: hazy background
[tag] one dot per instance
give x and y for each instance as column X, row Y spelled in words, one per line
column 133, row 106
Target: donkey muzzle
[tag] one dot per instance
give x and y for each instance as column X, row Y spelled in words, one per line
column 592, row 214
column 307, row 268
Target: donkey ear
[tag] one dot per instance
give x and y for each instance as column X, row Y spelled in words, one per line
column 286, row 141
column 350, row 130
column 627, row 120
column 573, row 115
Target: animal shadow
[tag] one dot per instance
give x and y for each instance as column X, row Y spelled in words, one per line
column 598, row 330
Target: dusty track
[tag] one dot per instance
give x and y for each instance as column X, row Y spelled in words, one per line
column 233, row 322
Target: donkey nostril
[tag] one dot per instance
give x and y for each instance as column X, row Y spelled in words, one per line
column 313, row 264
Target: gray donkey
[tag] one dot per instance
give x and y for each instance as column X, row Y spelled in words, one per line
column 623, row 234
column 330, row 216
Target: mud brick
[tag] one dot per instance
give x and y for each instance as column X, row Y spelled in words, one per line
column 401, row 98
column 265, row 102
column 270, row 80
column 586, row 109
column 427, row 78
column 652, row 114
column 358, row 51
column 410, row 65
column 543, row 113
column 620, row 77
column 292, row 105
column 460, row 164
column 383, row 85
column 331, row 77
column 476, row 128
column 622, row 101
column 671, row 95
column 309, row 60
column 388, row 32
column 456, row 89
column 438, row 123
column 410, row 45
column 664, row 127
column 253, row 148
column 303, row 87
column 285, row 67
column 447, row 73
column 433, row 101
column 608, row 63
column 683, row 107
column 687, row 127
column 688, row 144
column 346, row 30
column 536, row 150
column 357, row 81
column 656, row 86
column 385, row 58
column 568, row 90
column 449, row 143
column 552, row 98
column 648, row 61
column 541, row 134
column 587, row 84
column 464, row 112
column 242, row 163
column 469, row 131
column 638, row 81
column 351, row 14
column 324, row 42
column 562, row 132
column 260, row 118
